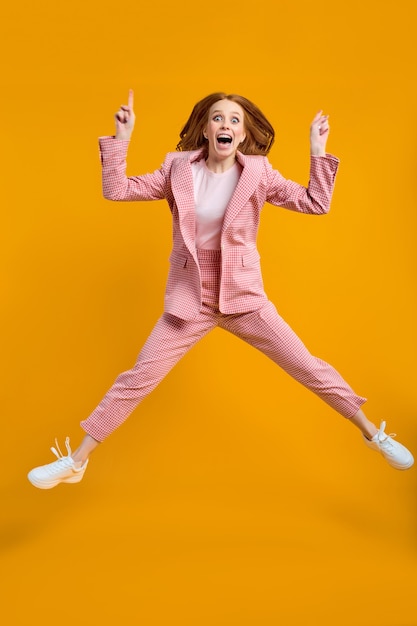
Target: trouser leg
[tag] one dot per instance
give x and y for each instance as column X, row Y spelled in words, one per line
column 268, row 332
column 170, row 339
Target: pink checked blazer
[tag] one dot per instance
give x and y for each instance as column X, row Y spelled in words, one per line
column 241, row 288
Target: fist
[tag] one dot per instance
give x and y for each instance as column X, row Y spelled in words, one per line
column 125, row 119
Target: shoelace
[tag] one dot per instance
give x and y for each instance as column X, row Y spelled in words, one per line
column 58, row 453
column 62, row 462
column 382, row 435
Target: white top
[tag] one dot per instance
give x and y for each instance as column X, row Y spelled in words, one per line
column 212, row 194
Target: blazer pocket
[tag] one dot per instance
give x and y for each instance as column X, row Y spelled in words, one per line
column 178, row 260
column 251, row 258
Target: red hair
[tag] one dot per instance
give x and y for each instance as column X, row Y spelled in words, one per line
column 259, row 133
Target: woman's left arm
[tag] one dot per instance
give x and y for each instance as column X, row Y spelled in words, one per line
column 317, row 196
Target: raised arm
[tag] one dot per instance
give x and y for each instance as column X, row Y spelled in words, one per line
column 317, row 196
column 113, row 153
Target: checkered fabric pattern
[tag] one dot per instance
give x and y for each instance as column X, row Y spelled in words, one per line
column 209, row 288
column 172, row 337
column 241, row 286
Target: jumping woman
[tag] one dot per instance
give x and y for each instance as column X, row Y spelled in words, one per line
column 216, row 184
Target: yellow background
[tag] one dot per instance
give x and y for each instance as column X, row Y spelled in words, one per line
column 233, row 497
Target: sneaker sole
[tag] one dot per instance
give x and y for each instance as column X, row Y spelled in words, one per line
column 401, row 467
column 42, row 484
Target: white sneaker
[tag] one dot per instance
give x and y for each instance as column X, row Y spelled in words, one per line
column 395, row 453
column 62, row 471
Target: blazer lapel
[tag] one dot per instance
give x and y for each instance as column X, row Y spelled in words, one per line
column 183, row 190
column 248, row 182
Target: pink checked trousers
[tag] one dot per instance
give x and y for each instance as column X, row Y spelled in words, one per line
column 172, row 337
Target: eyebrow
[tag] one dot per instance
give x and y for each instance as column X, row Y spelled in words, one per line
column 231, row 112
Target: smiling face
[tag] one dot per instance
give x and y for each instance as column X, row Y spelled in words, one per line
column 225, row 130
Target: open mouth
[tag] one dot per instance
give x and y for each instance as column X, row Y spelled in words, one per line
column 224, row 139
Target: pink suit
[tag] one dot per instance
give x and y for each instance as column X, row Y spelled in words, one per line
column 217, row 288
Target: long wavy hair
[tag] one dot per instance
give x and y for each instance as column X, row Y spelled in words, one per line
column 259, row 133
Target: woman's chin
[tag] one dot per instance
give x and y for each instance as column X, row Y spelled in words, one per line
column 225, row 150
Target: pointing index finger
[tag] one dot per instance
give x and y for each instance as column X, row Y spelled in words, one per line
column 130, row 99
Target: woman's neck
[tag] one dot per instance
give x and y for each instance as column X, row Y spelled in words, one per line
column 218, row 166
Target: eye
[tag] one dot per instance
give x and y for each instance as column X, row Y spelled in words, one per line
column 217, row 118
column 235, row 120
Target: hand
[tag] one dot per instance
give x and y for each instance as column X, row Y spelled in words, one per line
column 319, row 133
column 125, row 119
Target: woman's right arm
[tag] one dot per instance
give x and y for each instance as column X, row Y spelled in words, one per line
column 113, row 152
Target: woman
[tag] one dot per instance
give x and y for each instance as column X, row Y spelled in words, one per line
column 216, row 185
